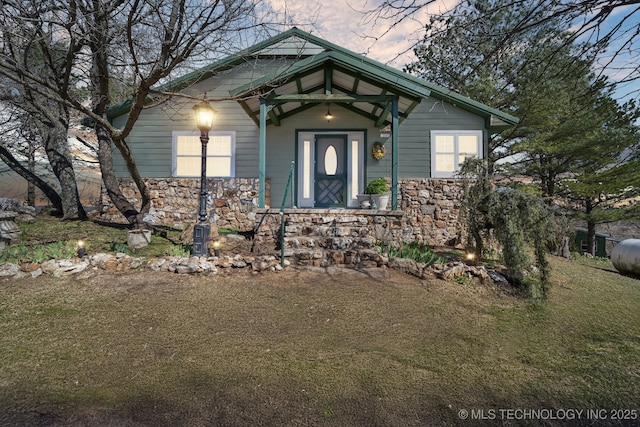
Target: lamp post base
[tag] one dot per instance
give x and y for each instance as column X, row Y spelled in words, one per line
column 201, row 235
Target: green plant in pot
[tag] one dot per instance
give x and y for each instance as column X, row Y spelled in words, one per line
column 377, row 190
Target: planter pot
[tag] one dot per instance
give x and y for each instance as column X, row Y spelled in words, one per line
column 138, row 239
column 381, row 200
column 364, row 201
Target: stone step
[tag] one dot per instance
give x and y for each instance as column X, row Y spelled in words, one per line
column 331, row 243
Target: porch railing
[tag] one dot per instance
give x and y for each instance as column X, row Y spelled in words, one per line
column 284, row 199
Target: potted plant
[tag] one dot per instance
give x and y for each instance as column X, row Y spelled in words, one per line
column 378, row 192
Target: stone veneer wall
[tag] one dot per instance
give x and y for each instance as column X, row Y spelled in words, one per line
column 431, row 209
column 175, row 201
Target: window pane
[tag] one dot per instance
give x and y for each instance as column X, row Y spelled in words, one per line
column 218, row 166
column 306, row 169
column 188, row 152
column 330, row 160
column 445, row 163
column 188, row 166
column 468, row 144
column 188, row 145
column 444, row 144
column 354, row 169
column 219, row 145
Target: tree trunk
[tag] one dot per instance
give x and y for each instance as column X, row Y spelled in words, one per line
column 31, row 188
column 49, row 192
column 110, row 181
column 56, row 146
column 591, row 230
column 100, row 81
column 591, row 238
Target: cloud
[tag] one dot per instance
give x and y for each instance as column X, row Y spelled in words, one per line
column 352, row 25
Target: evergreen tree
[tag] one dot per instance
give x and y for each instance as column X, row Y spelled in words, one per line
column 572, row 133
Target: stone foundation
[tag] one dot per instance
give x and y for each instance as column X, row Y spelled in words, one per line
column 428, row 212
column 432, row 210
column 231, row 202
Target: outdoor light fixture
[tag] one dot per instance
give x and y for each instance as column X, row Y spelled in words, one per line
column 81, row 250
column 216, row 248
column 202, row 230
column 471, row 257
column 328, row 116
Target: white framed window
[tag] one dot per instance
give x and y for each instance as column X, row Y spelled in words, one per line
column 449, row 149
column 187, row 154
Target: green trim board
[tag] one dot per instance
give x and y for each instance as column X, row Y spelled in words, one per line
column 362, row 66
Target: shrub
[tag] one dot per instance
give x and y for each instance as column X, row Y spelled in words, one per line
column 416, row 251
column 38, row 253
column 377, row 186
column 515, row 219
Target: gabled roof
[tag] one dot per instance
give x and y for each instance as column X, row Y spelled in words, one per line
column 322, row 68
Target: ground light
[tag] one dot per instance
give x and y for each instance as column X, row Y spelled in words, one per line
column 81, row 249
column 470, row 257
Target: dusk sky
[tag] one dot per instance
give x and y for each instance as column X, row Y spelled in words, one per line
column 346, row 23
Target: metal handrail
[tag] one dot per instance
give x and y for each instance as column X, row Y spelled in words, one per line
column 284, row 198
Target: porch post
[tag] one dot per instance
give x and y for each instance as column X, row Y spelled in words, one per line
column 262, row 163
column 394, row 155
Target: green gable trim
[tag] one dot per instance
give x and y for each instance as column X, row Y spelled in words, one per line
column 311, row 63
column 435, row 91
column 391, row 76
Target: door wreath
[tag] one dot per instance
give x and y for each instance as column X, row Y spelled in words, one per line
column 378, row 151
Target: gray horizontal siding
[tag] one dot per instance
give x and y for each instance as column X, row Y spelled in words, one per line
column 414, row 148
column 152, row 133
column 150, row 141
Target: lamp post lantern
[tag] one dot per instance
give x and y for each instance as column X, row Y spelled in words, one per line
column 202, row 230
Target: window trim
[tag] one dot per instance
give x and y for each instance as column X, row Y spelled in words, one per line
column 174, row 153
column 456, row 153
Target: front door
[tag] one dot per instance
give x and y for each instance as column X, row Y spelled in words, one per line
column 331, row 171
column 330, row 168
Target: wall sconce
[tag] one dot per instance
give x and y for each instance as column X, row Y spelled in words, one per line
column 328, row 116
column 81, row 250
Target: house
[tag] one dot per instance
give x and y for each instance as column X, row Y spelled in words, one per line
column 297, row 102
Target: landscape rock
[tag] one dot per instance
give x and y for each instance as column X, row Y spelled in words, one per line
column 24, row 212
column 9, row 230
column 497, row 277
column 407, row 266
column 9, row 269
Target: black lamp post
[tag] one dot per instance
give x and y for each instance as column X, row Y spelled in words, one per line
column 202, row 230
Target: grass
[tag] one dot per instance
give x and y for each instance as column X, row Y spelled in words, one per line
column 312, row 348
column 49, row 238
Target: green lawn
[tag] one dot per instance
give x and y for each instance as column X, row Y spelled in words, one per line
column 314, row 348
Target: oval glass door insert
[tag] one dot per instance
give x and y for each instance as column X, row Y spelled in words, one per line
column 330, row 160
